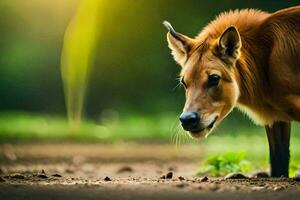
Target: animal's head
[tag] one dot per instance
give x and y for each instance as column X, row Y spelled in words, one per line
column 207, row 74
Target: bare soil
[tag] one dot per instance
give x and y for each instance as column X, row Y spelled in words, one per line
column 122, row 171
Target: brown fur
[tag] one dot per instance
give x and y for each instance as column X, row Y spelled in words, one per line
column 262, row 77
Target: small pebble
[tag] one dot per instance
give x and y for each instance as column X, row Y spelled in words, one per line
column 257, row 188
column 169, row 175
column 235, row 176
column 43, row 171
column 278, row 188
column 2, row 179
column 261, row 184
column 181, row 185
column 181, row 178
column 43, row 176
column 70, row 171
column 17, row 176
column 57, row 175
column 163, row 177
column 125, row 169
column 260, row 175
column 107, row 179
column 204, row 179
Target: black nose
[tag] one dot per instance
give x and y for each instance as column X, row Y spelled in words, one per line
column 190, row 121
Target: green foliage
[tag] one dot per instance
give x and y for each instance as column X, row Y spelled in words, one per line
column 28, row 127
column 293, row 169
column 133, row 67
column 219, row 165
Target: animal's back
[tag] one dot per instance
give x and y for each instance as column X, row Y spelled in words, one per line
column 282, row 32
column 245, row 20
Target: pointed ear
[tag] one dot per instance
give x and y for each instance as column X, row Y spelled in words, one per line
column 230, row 44
column 179, row 44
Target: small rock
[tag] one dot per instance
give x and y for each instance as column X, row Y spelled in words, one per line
column 257, row 188
column 169, row 175
column 235, row 176
column 125, row 169
column 43, row 176
column 204, row 179
column 43, row 171
column 57, row 175
column 278, row 188
column 181, row 178
column 2, row 179
column 260, row 175
column 107, row 179
column 163, row 177
column 261, row 184
column 70, row 171
column 181, row 185
column 17, row 176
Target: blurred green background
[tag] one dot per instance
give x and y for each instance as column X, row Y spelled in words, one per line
column 133, row 70
column 131, row 93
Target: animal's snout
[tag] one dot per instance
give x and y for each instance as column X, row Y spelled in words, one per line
column 190, row 121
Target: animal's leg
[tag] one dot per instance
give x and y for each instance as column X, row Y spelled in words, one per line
column 279, row 142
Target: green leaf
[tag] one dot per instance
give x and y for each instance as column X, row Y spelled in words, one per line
column 219, row 165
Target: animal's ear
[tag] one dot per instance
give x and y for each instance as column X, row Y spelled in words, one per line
column 179, row 44
column 230, row 44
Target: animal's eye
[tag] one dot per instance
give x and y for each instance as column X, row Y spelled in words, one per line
column 182, row 82
column 213, row 80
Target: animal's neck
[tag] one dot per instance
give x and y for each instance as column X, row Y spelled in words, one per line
column 251, row 74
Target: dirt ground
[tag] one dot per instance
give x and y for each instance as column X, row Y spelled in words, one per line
column 122, row 171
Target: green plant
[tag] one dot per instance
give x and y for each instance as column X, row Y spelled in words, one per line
column 293, row 169
column 219, row 165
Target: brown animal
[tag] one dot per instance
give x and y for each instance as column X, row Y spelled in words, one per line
column 248, row 59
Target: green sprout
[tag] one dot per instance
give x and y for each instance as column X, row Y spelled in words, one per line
column 228, row 162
